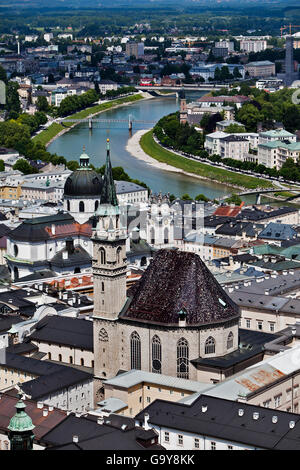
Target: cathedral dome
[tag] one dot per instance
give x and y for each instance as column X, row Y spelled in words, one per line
column 83, row 182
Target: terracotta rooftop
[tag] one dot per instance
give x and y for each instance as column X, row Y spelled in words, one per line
column 43, row 424
column 228, row 211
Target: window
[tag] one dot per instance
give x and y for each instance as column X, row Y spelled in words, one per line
column 167, row 437
column 118, row 255
column 296, row 408
column 180, row 439
column 81, row 206
column 196, row 443
column 230, row 447
column 82, row 362
column 248, row 323
column 277, row 400
column 210, row 345
column 102, row 256
column 296, row 390
column 288, row 394
column 148, row 400
column 230, row 340
column 156, row 355
column 259, row 325
column 267, row 403
column 272, row 327
column 212, row 446
column 135, row 350
column 183, row 359
column 16, row 250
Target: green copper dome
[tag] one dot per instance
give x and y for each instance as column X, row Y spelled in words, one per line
column 20, row 422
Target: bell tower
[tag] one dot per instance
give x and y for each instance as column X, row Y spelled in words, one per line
column 109, row 251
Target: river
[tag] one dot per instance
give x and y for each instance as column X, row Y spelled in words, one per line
column 71, row 143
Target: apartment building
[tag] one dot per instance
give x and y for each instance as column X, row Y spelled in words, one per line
column 248, row 45
column 263, row 68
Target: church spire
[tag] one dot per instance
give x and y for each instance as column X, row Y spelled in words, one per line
column 108, row 193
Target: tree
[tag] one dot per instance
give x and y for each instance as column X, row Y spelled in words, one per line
column 234, row 129
column 186, row 197
column 250, row 116
column 72, row 165
column 3, row 75
column 12, row 97
column 201, row 197
column 234, row 199
column 2, row 166
column 42, row 104
column 23, row 166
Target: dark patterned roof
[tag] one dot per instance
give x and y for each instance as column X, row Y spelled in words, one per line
column 83, row 182
column 174, row 281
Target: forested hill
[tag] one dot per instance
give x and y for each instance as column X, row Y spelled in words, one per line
column 44, row 4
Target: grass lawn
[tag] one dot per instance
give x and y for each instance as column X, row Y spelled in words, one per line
column 45, row 136
column 218, row 174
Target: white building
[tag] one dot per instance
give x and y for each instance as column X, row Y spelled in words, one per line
column 249, row 45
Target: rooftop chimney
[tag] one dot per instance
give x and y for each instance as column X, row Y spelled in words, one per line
column 146, row 419
column 75, row 439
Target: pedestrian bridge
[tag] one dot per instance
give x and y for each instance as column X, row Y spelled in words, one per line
column 260, row 192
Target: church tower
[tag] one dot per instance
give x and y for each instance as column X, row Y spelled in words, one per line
column 21, row 429
column 109, row 251
column 183, row 107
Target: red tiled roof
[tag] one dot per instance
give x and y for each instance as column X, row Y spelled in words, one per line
column 228, row 211
column 43, row 424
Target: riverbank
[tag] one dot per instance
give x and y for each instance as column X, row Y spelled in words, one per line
column 55, row 130
column 143, row 146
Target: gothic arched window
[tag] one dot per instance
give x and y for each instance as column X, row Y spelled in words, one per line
column 68, row 205
column 103, row 336
column 102, row 256
column 81, row 206
column 96, row 205
column 230, row 340
column 156, row 355
column 210, row 345
column 119, row 250
column 183, row 359
column 135, row 351
column 166, row 235
column 152, row 236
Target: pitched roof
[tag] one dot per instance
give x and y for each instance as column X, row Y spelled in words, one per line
column 43, row 424
column 221, row 420
column 275, row 231
column 40, row 228
column 227, row 211
column 65, row 330
column 174, row 281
